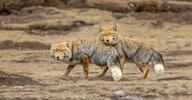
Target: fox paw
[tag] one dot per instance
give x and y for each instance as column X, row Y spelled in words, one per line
column 141, row 78
column 100, row 75
column 65, row 77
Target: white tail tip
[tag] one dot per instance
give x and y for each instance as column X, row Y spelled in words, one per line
column 159, row 68
column 116, row 73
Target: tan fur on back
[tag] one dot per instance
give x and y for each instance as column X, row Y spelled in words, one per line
column 109, row 30
column 138, row 42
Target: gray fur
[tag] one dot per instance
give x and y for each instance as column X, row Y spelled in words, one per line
column 141, row 55
column 85, row 52
column 129, row 49
column 134, row 51
column 98, row 53
column 156, row 58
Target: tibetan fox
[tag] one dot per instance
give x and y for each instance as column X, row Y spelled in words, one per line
column 85, row 52
column 143, row 55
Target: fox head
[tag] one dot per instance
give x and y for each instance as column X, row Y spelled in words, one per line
column 62, row 51
column 109, row 35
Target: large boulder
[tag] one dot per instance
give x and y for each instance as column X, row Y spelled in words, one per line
column 1, row 4
column 55, row 3
column 15, row 5
column 77, row 3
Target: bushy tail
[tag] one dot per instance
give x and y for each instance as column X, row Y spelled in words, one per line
column 157, row 62
column 115, row 68
column 116, row 73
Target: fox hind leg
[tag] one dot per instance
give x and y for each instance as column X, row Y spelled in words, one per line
column 69, row 68
column 104, row 70
column 122, row 62
column 144, row 69
column 140, row 67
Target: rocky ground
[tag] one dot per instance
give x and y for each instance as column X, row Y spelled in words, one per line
column 28, row 72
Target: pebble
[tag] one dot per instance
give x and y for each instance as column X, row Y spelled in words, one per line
column 170, row 37
column 18, row 87
column 120, row 93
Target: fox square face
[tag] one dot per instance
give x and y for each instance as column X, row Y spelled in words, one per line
column 61, row 51
column 109, row 35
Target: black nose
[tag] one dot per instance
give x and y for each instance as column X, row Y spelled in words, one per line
column 107, row 40
column 57, row 58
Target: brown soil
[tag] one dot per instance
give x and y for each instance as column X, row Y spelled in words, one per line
column 8, row 44
column 29, row 72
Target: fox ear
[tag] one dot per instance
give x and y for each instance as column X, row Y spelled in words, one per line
column 100, row 28
column 100, row 37
column 52, row 46
column 119, row 38
column 115, row 27
column 69, row 44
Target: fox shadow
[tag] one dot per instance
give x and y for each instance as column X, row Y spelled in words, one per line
column 109, row 78
column 90, row 78
column 16, row 80
column 125, row 77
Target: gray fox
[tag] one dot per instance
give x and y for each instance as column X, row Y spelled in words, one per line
column 85, row 52
column 141, row 54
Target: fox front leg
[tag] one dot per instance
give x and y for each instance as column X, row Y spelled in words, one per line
column 69, row 68
column 85, row 63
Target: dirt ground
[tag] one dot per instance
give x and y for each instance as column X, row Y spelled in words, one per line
column 28, row 72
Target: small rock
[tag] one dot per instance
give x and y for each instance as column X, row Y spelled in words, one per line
column 78, row 23
column 170, row 37
column 157, row 23
column 18, row 87
column 188, row 44
column 120, row 93
column 152, row 36
column 170, row 41
column 2, row 22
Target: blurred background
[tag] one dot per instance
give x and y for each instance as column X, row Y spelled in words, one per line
column 29, row 27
